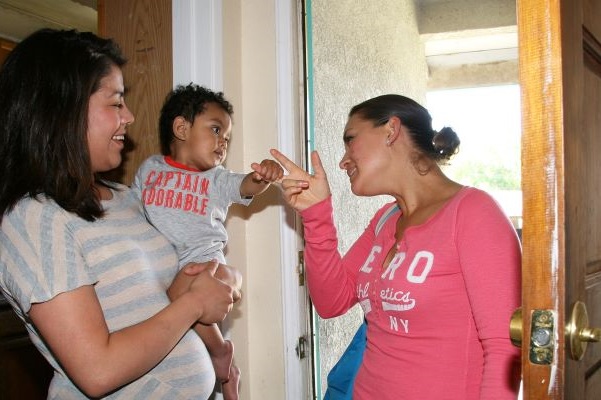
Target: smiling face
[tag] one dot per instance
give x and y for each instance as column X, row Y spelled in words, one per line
column 366, row 155
column 203, row 144
column 107, row 118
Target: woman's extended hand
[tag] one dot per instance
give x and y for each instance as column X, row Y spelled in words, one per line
column 302, row 190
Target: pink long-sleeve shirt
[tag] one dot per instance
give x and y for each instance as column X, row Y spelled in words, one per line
column 438, row 315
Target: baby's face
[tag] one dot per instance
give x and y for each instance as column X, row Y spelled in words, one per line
column 208, row 138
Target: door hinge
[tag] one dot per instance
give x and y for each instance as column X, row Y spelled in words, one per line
column 301, row 347
column 300, row 268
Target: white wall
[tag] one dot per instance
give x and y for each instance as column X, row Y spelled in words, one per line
column 250, row 65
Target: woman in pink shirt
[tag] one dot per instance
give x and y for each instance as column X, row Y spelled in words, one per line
column 437, row 281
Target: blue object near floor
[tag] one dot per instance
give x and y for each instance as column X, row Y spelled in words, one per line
column 341, row 378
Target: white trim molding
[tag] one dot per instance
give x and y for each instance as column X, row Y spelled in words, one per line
column 197, row 43
column 294, row 308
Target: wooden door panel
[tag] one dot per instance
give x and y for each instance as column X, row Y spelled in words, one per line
column 592, row 356
column 583, row 194
column 560, row 76
column 592, row 127
column 585, row 258
column 593, row 385
column 591, row 13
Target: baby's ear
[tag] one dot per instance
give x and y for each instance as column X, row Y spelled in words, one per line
column 181, row 128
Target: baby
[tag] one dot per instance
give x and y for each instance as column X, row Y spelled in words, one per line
column 186, row 193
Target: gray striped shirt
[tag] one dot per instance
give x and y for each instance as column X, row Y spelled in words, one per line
column 45, row 251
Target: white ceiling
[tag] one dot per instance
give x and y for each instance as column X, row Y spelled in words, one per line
column 19, row 18
column 466, row 32
column 478, row 46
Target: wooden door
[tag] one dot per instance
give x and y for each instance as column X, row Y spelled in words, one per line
column 560, row 77
column 143, row 30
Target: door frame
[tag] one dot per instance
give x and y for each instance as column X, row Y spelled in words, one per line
column 543, row 241
column 289, row 110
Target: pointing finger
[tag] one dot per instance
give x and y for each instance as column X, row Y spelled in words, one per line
column 285, row 161
column 316, row 163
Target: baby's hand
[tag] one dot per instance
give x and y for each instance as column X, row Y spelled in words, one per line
column 267, row 171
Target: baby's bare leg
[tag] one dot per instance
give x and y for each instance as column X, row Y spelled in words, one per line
column 220, row 350
column 229, row 388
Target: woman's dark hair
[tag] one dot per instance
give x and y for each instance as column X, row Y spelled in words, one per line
column 186, row 101
column 46, row 83
column 438, row 146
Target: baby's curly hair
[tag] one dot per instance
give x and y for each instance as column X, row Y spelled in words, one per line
column 186, row 101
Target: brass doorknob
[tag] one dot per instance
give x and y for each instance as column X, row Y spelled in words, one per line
column 578, row 334
column 515, row 327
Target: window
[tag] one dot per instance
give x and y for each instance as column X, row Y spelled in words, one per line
column 487, row 121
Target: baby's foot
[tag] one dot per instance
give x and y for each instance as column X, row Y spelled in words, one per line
column 229, row 388
column 222, row 361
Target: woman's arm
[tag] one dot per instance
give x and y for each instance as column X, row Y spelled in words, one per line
column 332, row 278
column 73, row 325
column 490, row 256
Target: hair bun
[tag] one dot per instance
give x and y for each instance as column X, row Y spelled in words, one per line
column 445, row 143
